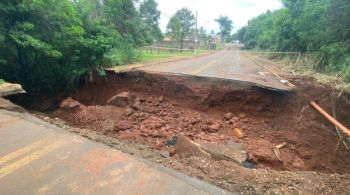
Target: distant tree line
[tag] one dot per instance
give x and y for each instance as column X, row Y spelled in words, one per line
column 182, row 25
column 319, row 28
column 48, row 46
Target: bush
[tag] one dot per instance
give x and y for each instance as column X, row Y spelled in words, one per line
column 50, row 46
column 347, row 70
column 320, row 29
column 124, row 53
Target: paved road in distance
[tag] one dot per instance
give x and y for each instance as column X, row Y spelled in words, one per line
column 226, row 64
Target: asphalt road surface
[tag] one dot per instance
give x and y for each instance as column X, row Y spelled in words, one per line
column 39, row 158
column 227, row 65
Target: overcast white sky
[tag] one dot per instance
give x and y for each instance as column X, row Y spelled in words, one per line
column 240, row 11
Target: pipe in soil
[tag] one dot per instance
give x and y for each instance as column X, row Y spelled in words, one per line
column 330, row 118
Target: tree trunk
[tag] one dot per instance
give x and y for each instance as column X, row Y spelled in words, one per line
column 181, row 44
column 23, row 66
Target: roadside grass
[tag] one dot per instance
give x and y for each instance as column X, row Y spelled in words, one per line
column 305, row 68
column 155, row 56
column 2, row 81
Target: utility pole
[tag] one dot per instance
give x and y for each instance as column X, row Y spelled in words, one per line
column 196, row 35
column 197, row 21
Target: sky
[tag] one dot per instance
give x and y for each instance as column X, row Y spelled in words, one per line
column 239, row 11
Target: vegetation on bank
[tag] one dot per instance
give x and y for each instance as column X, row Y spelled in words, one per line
column 49, row 45
column 163, row 55
column 320, row 29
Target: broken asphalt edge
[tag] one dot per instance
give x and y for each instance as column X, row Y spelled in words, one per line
column 242, row 82
column 7, row 89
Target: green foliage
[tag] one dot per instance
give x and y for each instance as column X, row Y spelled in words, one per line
column 321, row 28
column 51, row 45
column 226, row 26
column 150, row 17
column 126, row 19
column 204, row 38
column 180, row 25
column 124, row 53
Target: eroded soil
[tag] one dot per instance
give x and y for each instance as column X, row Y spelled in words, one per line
column 207, row 111
column 162, row 106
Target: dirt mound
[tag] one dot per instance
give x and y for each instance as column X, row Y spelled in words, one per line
column 209, row 111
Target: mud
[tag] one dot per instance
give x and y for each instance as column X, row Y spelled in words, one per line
column 208, row 110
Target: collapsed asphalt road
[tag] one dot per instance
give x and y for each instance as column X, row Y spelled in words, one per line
column 157, row 107
column 146, row 110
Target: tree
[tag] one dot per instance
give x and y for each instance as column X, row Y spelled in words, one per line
column 319, row 28
column 180, row 25
column 203, row 37
column 48, row 46
column 226, row 26
column 126, row 19
column 37, row 34
column 150, row 17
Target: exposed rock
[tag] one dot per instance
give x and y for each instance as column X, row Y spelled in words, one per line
column 137, row 105
column 298, row 163
column 245, row 120
column 249, row 164
column 124, row 125
column 263, row 151
column 70, row 104
column 161, row 99
column 120, row 100
column 164, row 154
column 235, row 119
column 185, row 148
column 251, row 157
column 305, row 153
column 171, row 141
column 172, row 152
column 176, row 156
column 228, row 116
column 234, row 145
column 225, row 152
column 128, row 112
column 238, row 133
column 149, row 109
column 159, row 146
column 214, row 127
column 242, row 115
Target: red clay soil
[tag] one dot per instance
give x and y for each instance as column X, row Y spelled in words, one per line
column 162, row 106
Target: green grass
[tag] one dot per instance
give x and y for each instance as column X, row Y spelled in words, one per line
column 155, row 56
column 2, row 81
